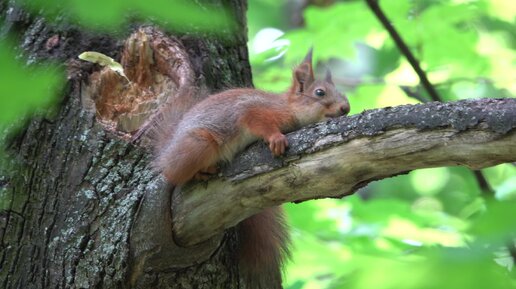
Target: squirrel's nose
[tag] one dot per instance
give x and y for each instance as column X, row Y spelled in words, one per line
column 344, row 109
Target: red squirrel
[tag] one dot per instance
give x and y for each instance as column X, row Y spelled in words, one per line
column 225, row 123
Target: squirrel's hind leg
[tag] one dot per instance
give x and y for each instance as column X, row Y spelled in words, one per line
column 195, row 157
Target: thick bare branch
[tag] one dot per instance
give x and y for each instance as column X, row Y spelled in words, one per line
column 335, row 158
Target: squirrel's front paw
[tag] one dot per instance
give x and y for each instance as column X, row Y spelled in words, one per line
column 278, row 143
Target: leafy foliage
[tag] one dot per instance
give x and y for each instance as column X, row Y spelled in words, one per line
column 24, row 89
column 178, row 15
column 431, row 228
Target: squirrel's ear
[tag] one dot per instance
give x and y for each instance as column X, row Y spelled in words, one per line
column 328, row 76
column 304, row 74
column 303, row 77
column 308, row 57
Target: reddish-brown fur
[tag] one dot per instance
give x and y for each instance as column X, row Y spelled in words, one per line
column 200, row 153
column 261, row 261
column 267, row 124
column 221, row 125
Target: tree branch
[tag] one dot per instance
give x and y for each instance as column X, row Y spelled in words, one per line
column 335, row 158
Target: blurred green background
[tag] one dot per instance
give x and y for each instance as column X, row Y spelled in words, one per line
column 432, row 228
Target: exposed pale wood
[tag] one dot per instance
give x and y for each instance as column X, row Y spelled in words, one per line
column 336, row 158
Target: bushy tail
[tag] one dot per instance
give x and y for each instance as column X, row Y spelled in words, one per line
column 263, row 247
column 159, row 129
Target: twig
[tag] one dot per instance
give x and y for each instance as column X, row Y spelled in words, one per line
column 373, row 4
column 512, row 250
column 483, row 183
column 413, row 92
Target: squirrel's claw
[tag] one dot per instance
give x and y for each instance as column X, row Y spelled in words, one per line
column 278, row 143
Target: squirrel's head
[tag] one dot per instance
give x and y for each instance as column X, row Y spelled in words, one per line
column 312, row 99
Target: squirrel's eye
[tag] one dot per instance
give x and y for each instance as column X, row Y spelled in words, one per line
column 319, row 92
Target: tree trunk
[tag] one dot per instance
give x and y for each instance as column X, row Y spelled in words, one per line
column 77, row 188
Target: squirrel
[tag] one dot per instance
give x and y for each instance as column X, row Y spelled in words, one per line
column 221, row 125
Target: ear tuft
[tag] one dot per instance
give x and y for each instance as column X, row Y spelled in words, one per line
column 303, row 74
column 308, row 57
column 328, row 76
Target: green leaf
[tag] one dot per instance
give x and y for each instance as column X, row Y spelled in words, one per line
column 498, row 223
column 507, row 189
column 332, row 31
column 429, row 181
column 177, row 15
column 386, row 59
column 24, row 89
column 439, row 268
